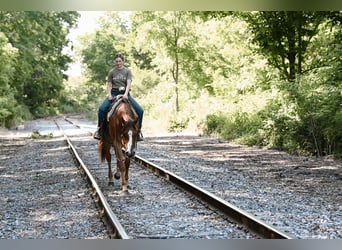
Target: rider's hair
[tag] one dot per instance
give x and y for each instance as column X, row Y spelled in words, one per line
column 119, row 56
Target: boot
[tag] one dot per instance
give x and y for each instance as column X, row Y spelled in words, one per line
column 140, row 136
column 97, row 134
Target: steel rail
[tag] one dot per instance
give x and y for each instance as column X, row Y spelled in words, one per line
column 236, row 214
column 118, row 230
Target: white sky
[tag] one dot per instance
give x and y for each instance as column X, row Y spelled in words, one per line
column 86, row 23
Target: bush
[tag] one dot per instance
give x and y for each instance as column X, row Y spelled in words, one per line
column 239, row 126
column 214, row 124
column 178, row 124
column 279, row 125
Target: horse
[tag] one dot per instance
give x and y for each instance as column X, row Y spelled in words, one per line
column 120, row 133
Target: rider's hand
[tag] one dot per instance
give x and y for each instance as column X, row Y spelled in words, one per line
column 110, row 97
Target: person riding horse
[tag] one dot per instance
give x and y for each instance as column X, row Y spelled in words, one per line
column 118, row 82
column 123, row 127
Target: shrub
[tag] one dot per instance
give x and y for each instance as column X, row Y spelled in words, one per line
column 239, row 126
column 178, row 124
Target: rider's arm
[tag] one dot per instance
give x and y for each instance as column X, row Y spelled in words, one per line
column 128, row 87
column 109, row 90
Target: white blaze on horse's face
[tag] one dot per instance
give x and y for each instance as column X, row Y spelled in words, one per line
column 130, row 151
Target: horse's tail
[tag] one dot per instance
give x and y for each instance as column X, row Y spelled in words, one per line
column 102, row 151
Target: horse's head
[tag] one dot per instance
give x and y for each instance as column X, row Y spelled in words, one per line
column 124, row 127
column 129, row 136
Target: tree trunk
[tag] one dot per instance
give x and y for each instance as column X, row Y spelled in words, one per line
column 291, row 55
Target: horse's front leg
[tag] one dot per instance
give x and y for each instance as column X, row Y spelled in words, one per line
column 110, row 173
column 117, row 174
column 125, row 177
column 120, row 159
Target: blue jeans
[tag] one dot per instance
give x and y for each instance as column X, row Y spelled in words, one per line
column 106, row 103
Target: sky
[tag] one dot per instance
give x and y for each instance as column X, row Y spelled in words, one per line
column 86, row 23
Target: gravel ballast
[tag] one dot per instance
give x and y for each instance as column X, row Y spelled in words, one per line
column 43, row 194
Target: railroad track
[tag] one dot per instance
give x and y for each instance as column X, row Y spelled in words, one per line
column 229, row 217
column 117, row 230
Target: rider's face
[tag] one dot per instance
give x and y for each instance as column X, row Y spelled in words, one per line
column 118, row 63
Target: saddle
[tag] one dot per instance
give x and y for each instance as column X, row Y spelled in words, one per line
column 113, row 106
column 115, row 103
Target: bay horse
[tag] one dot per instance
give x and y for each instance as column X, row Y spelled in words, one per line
column 120, row 133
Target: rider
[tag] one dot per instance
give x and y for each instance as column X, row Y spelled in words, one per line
column 118, row 82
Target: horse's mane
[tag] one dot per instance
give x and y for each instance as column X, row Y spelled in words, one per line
column 129, row 108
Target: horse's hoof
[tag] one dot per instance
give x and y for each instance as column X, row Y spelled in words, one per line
column 110, row 183
column 117, row 176
column 124, row 192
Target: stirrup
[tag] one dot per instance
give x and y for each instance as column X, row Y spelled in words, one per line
column 140, row 137
column 97, row 135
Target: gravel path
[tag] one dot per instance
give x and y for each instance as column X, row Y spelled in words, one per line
column 300, row 195
column 43, row 194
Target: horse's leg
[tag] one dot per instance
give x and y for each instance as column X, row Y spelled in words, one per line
column 121, row 164
column 117, row 174
column 109, row 161
column 124, row 173
column 125, row 177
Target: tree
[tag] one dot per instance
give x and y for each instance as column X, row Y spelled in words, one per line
column 305, row 47
column 284, row 37
column 171, row 37
column 40, row 38
column 8, row 104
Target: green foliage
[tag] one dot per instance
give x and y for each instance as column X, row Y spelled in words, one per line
column 144, row 81
column 279, row 122
column 311, row 127
column 284, row 37
column 178, row 124
column 319, row 112
column 100, row 47
column 239, row 126
column 172, row 36
column 11, row 111
column 215, row 123
column 259, row 78
column 38, row 39
column 310, row 123
column 37, row 135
